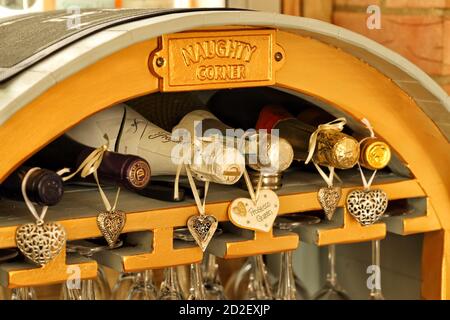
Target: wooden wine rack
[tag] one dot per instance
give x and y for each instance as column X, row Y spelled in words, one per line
column 309, row 67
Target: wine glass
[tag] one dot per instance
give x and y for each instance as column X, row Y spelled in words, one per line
column 289, row 288
column 90, row 289
column 375, row 290
column 123, row 286
column 331, row 289
column 196, row 283
column 143, row 287
column 213, row 286
column 170, row 287
column 24, row 293
column 259, row 285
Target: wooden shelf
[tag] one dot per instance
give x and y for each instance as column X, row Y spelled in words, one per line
column 150, row 223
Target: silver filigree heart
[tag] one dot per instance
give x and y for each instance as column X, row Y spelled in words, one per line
column 367, row 206
column 111, row 225
column 42, row 242
column 329, row 198
column 202, row 228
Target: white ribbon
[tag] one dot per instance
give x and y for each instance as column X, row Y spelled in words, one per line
column 254, row 195
column 200, row 205
column 89, row 166
column 337, row 124
column 366, row 122
column 366, row 183
column 39, row 217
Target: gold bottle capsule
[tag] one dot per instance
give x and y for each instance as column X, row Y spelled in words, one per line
column 375, row 153
column 336, row 149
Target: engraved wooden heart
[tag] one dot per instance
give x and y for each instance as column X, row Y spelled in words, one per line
column 111, row 225
column 40, row 243
column 245, row 214
column 367, row 206
column 329, row 198
column 202, row 228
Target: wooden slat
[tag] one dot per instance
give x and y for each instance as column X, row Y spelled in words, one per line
column 318, row 9
column 291, row 7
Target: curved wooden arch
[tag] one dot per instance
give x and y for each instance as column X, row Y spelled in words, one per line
column 322, row 71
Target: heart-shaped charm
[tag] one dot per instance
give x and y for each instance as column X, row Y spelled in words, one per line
column 329, row 198
column 244, row 213
column 41, row 242
column 202, row 228
column 111, row 225
column 367, row 206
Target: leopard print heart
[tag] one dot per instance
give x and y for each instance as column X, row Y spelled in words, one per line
column 40, row 243
column 367, row 206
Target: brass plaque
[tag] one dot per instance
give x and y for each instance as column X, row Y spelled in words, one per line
column 217, row 59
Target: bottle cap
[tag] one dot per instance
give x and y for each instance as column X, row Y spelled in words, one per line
column 375, row 154
column 45, row 187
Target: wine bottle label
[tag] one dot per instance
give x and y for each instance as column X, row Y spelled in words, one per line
column 138, row 137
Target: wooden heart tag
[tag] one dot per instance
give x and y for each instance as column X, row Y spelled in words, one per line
column 259, row 216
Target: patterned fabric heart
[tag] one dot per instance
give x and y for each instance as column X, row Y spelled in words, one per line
column 41, row 242
column 111, row 225
column 202, row 228
column 329, row 198
column 367, row 206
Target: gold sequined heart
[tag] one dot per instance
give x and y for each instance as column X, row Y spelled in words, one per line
column 329, row 198
column 40, row 243
column 367, row 206
column 202, row 228
column 111, row 225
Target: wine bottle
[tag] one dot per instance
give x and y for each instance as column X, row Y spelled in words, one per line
column 43, row 186
column 333, row 148
column 129, row 171
column 263, row 152
column 140, row 137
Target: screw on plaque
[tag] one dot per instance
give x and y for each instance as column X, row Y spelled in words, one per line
column 278, row 56
column 160, row 62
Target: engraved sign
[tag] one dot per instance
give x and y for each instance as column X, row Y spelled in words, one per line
column 216, row 59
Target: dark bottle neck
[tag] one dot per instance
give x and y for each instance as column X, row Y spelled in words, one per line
column 43, row 187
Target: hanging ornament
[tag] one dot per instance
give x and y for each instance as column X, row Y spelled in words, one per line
column 257, row 213
column 111, row 221
column 41, row 241
column 330, row 195
column 367, row 206
column 201, row 226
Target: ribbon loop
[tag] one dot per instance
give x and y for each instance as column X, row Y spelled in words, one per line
column 337, row 124
column 90, row 166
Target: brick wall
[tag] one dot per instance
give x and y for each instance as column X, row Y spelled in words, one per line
column 417, row 29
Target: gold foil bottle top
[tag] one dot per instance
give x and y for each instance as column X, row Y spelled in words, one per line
column 336, row 149
column 375, row 154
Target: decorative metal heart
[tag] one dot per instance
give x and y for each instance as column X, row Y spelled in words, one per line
column 111, row 225
column 367, row 206
column 202, row 228
column 329, row 198
column 246, row 214
column 40, row 243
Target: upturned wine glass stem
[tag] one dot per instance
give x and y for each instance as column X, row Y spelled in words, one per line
column 286, row 284
column 197, row 289
column 263, row 285
column 375, row 291
column 331, row 276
